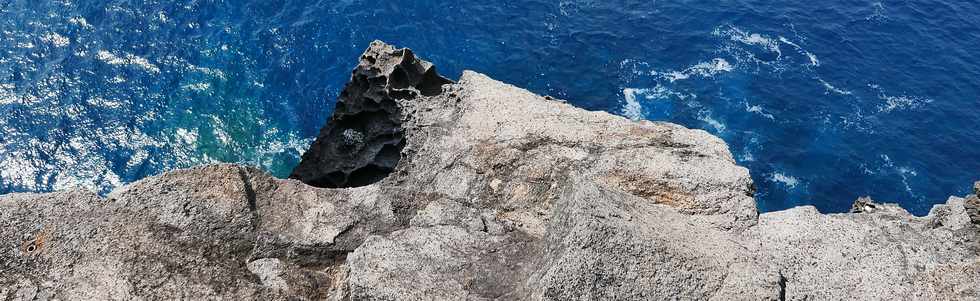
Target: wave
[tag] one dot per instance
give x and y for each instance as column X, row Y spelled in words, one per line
column 127, row 59
column 705, row 116
column 758, row 110
column 634, row 70
column 267, row 154
column 747, row 156
column 878, row 14
column 887, row 167
column 633, row 110
column 903, row 102
column 633, row 97
column 55, row 39
column 197, row 87
column 703, row 69
column 813, row 58
column 738, row 35
column 7, row 95
column 790, row 182
column 80, row 22
column 900, row 102
column 832, row 88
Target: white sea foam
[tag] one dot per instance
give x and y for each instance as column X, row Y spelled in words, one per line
column 197, row 87
column 92, row 176
column 738, row 35
column 888, row 167
column 139, row 156
column 79, row 163
column 887, row 160
column 267, row 154
column 789, row 181
column 633, row 110
column 743, row 46
column 80, row 22
column 866, row 170
column 18, row 168
column 753, row 144
column 127, row 59
column 55, row 39
column 222, row 136
column 831, row 88
column 103, row 103
column 7, row 93
column 758, row 110
column 813, row 58
column 879, row 13
column 633, row 69
column 216, row 73
column 702, row 69
column 705, row 116
column 109, row 58
column 219, row 131
column 905, row 173
column 162, row 17
column 747, row 156
column 188, row 137
column 903, row 102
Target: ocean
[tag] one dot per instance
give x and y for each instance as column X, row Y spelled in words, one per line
column 824, row 101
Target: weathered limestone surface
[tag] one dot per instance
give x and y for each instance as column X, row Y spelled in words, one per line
column 492, row 192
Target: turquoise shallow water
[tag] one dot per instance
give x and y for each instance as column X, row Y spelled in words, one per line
column 823, row 101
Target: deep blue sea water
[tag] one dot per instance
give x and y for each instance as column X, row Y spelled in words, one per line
column 824, row 101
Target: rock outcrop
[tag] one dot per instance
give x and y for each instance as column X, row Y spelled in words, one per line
column 362, row 142
column 477, row 190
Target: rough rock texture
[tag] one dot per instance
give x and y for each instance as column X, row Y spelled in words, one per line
column 363, row 140
column 495, row 193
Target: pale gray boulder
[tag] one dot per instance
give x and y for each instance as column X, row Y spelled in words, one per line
column 183, row 235
column 493, row 193
column 881, row 254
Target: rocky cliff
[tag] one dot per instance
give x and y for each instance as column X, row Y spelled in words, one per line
column 477, row 190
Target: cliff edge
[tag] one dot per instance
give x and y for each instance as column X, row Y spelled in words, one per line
column 420, row 188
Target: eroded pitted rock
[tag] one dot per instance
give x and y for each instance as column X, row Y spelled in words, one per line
column 362, row 143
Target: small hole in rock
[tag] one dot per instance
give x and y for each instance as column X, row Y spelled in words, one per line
column 370, row 59
column 367, row 175
column 399, row 79
column 431, row 83
column 331, row 180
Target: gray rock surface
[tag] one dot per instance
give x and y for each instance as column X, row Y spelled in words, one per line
column 496, row 193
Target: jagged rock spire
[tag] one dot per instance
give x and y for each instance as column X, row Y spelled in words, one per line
column 362, row 142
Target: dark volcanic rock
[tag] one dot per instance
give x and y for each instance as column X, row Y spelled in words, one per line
column 489, row 192
column 362, row 142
